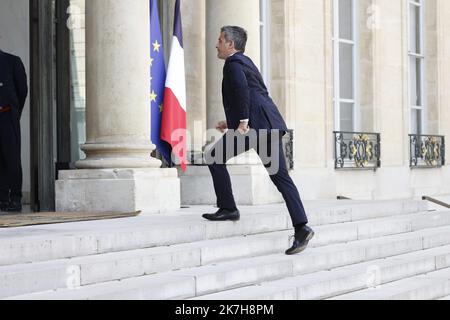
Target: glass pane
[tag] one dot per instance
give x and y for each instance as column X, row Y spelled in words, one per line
column 78, row 76
column 414, row 29
column 416, row 121
column 345, row 19
column 415, row 81
column 346, row 117
column 346, row 70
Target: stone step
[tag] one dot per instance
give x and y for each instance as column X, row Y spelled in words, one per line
column 155, row 287
column 244, row 272
column 378, row 227
column 347, row 211
column 48, row 275
column 127, row 264
column 128, row 234
column 339, row 281
column 43, row 243
column 430, row 286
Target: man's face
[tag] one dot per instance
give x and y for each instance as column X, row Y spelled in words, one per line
column 224, row 48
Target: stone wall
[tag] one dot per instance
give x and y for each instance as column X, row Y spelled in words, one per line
column 301, row 69
column 302, row 85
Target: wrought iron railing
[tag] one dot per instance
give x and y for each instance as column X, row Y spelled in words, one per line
column 427, row 151
column 436, row 201
column 288, row 147
column 357, row 150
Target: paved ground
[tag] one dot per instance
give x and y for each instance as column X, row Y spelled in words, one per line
column 168, row 218
column 144, row 220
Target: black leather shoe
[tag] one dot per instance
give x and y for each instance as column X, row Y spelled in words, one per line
column 223, row 215
column 14, row 207
column 301, row 240
column 4, row 206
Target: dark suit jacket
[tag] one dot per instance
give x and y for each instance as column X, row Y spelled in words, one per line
column 245, row 96
column 13, row 83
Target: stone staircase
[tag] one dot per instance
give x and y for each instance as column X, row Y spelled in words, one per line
column 362, row 250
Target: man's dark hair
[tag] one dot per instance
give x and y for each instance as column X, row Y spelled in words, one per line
column 236, row 34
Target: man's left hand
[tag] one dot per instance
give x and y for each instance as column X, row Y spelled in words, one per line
column 243, row 128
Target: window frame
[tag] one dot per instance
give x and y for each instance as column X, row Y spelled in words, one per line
column 337, row 40
column 417, row 55
column 264, row 28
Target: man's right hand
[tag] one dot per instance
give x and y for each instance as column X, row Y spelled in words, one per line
column 222, row 126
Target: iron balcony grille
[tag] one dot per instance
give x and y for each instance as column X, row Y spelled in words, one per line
column 357, row 150
column 427, row 151
column 288, row 147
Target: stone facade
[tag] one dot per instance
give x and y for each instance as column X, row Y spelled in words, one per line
column 118, row 173
column 300, row 62
column 301, row 82
column 301, row 68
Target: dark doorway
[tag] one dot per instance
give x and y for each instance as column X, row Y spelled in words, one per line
column 49, row 99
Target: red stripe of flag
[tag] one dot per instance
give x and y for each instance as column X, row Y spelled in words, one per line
column 173, row 130
column 173, row 124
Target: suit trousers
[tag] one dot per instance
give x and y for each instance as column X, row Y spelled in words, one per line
column 268, row 144
column 10, row 160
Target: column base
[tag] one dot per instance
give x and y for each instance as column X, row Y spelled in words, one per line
column 118, row 190
column 251, row 186
column 118, row 156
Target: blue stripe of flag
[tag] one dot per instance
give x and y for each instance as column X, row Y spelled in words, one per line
column 178, row 28
column 158, row 80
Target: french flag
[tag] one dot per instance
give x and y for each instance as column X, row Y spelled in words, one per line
column 173, row 125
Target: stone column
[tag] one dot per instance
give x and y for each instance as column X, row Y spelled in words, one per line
column 245, row 14
column 390, row 77
column 368, row 22
column 302, row 87
column 118, row 86
column 194, row 23
column 251, row 183
column 431, row 67
column 122, row 175
column 391, row 100
column 218, row 14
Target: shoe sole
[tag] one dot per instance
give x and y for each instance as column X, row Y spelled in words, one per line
column 222, row 220
column 304, row 246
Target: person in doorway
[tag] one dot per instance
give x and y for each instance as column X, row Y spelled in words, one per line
column 253, row 122
column 13, row 93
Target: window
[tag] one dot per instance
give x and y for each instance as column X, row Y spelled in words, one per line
column 76, row 24
column 416, row 65
column 345, row 36
column 264, row 39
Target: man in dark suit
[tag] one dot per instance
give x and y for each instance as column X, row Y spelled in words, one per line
column 253, row 122
column 13, row 93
